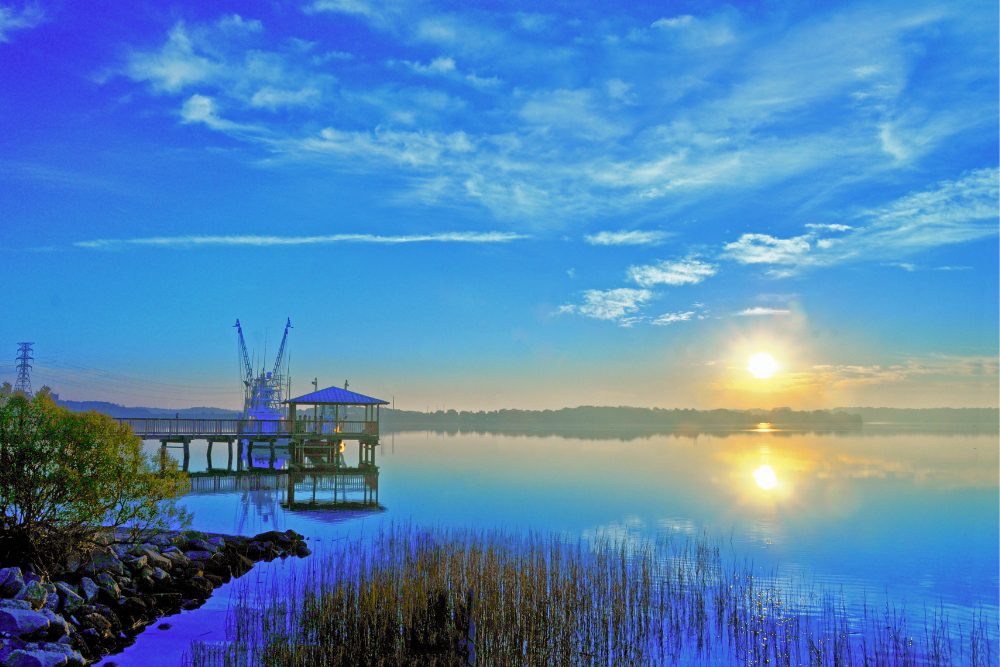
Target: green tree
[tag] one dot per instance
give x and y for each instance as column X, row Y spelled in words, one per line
column 69, row 481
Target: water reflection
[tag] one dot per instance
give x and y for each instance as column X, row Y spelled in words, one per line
column 911, row 516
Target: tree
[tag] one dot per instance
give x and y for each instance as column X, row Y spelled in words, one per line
column 69, row 481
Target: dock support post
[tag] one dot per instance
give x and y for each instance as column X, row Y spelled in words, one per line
column 187, row 453
column 229, row 461
column 208, row 454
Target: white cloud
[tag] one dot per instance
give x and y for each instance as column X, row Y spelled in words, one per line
column 829, row 227
column 955, row 211
column 277, row 98
column 627, row 237
column 12, row 19
column 767, row 249
column 256, row 240
column 681, row 21
column 672, row 318
column 575, row 112
column 613, row 304
column 688, row 271
column 436, row 66
column 202, row 109
column 761, row 311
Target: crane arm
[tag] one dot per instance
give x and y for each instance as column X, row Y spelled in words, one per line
column 281, row 348
column 247, row 368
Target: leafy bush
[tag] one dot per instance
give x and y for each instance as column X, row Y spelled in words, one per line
column 69, row 481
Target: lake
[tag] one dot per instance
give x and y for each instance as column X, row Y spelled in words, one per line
column 905, row 517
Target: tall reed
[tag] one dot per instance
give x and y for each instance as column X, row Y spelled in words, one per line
column 454, row 597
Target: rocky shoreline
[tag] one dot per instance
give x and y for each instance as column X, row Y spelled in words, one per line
column 98, row 608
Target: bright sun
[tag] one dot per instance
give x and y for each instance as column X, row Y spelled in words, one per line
column 762, row 365
column 765, row 477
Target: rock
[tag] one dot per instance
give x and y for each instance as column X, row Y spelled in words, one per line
column 283, row 539
column 34, row 593
column 198, row 554
column 37, row 658
column 199, row 587
column 14, row 604
column 108, row 583
column 73, row 657
column 98, row 623
column 162, row 540
column 22, row 622
column 160, row 576
column 88, row 588
column 11, row 581
column 52, row 599
column 176, row 556
column 239, row 564
column 57, row 624
column 71, row 600
column 301, row 550
column 104, row 561
column 134, row 607
column 137, row 563
column 217, row 541
column 202, row 545
column 168, row 602
column 155, row 559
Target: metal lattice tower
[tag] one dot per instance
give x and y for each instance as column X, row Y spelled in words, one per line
column 24, row 359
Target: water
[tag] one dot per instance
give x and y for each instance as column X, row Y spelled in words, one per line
column 909, row 518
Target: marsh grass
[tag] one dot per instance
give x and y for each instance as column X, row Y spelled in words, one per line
column 444, row 597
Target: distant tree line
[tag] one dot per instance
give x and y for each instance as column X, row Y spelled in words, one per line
column 598, row 419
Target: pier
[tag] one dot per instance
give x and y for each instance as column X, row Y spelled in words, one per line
column 314, row 434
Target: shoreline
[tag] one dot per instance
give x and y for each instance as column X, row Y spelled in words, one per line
column 98, row 608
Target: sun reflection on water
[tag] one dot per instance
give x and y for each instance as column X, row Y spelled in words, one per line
column 765, row 477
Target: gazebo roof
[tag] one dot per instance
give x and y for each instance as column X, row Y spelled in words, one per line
column 336, row 396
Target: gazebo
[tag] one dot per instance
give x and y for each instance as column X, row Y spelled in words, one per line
column 333, row 419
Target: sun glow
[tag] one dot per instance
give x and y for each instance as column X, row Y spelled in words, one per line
column 765, row 477
column 762, row 365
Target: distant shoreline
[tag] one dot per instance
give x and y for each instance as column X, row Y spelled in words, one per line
column 628, row 421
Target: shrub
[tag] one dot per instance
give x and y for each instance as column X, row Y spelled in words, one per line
column 69, row 481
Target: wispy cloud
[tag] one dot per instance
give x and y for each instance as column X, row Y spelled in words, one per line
column 254, row 240
column 689, row 271
column 612, row 304
column 951, row 212
column 672, row 318
column 627, row 237
column 13, row 19
column 762, row 311
column 767, row 249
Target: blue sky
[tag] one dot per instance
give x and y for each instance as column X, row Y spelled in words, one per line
column 491, row 204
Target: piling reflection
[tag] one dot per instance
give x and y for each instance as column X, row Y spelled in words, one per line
column 307, row 475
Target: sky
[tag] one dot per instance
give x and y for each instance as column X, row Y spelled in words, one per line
column 486, row 205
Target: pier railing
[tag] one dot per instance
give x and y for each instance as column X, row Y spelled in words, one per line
column 245, row 428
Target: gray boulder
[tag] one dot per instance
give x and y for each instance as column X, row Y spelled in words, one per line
column 156, row 559
column 71, row 599
column 37, row 658
column 34, row 593
column 88, row 588
column 11, row 581
column 104, row 561
column 107, row 582
column 22, row 622
column 198, row 544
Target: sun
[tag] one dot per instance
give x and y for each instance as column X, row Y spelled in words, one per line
column 765, row 477
column 762, row 365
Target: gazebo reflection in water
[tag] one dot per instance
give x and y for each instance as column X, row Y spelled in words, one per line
column 307, row 458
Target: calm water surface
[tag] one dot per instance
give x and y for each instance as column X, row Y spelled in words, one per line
column 906, row 517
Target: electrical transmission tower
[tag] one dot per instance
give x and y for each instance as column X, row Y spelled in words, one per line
column 24, row 359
